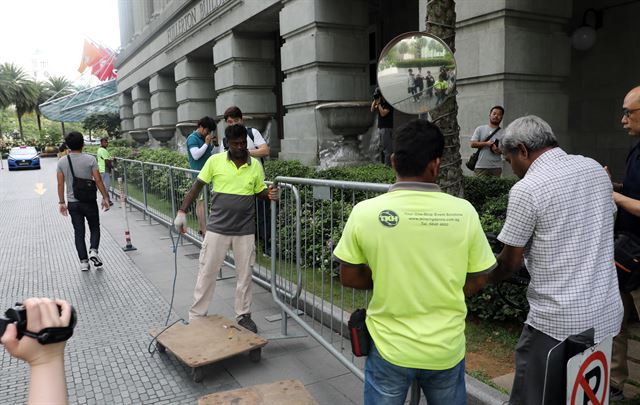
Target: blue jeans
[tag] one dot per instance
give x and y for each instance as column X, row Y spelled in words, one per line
column 388, row 384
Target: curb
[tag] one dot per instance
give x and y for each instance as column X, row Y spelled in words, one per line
column 479, row 393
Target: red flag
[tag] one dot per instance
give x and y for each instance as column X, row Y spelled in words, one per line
column 90, row 55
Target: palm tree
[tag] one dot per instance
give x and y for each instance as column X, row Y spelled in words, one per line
column 20, row 89
column 441, row 21
column 56, row 86
column 42, row 97
column 6, row 88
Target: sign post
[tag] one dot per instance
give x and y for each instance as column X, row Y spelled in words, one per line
column 588, row 375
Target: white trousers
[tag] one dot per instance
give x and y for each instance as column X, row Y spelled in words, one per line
column 212, row 254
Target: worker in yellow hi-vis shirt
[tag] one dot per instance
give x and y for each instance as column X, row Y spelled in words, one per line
column 421, row 251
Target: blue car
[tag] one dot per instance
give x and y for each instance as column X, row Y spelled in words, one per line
column 23, row 157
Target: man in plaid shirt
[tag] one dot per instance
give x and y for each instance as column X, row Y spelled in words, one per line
column 560, row 218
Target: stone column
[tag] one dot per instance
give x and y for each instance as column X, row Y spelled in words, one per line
column 147, row 11
column 126, row 112
column 245, row 77
column 324, row 58
column 125, row 14
column 138, row 17
column 195, row 95
column 141, row 113
column 158, row 5
column 163, row 108
column 518, row 57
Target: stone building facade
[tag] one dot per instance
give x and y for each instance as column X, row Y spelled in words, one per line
column 279, row 59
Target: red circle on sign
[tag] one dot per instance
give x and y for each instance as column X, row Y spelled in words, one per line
column 580, row 381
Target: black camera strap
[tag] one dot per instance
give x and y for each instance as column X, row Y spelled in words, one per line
column 51, row 335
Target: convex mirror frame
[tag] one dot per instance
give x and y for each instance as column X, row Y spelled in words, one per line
column 416, row 72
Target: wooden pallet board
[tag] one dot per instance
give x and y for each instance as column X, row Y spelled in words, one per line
column 208, row 340
column 285, row 392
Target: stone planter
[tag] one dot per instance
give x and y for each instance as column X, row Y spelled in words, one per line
column 162, row 134
column 347, row 119
column 140, row 136
column 187, row 127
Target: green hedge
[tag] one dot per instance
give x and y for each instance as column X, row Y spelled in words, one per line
column 488, row 195
column 425, row 62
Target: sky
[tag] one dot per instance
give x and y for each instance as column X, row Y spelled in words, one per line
column 54, row 31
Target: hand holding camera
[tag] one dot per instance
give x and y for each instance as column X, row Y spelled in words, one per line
column 37, row 330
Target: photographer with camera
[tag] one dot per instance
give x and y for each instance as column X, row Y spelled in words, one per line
column 487, row 138
column 385, row 124
column 26, row 338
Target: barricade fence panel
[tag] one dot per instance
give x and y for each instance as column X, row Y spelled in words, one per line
column 320, row 209
column 297, row 241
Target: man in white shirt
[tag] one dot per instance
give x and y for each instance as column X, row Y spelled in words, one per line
column 560, row 218
column 256, row 144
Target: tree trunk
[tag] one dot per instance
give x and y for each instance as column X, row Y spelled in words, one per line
column 39, row 124
column 441, row 21
column 20, row 125
column 62, row 124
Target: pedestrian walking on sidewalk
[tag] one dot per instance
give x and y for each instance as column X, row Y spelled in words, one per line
column 105, row 162
column 237, row 179
column 75, row 172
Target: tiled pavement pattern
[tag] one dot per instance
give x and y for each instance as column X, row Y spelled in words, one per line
column 107, row 360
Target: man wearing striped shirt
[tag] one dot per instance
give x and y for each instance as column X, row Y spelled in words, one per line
column 560, row 218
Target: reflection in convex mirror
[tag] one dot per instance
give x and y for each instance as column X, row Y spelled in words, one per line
column 416, row 72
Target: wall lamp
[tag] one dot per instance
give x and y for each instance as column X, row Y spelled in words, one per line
column 584, row 37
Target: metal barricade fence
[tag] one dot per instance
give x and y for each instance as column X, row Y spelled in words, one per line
column 157, row 190
column 295, row 235
column 317, row 210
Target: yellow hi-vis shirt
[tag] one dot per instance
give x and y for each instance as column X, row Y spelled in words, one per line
column 420, row 244
column 233, row 196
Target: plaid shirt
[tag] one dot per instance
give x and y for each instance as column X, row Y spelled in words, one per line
column 562, row 213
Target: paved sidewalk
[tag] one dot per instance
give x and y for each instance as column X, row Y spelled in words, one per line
column 107, row 359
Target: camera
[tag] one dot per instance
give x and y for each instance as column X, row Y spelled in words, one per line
column 18, row 315
column 377, row 93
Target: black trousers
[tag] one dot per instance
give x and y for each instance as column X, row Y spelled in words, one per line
column 79, row 211
column 263, row 224
column 531, row 362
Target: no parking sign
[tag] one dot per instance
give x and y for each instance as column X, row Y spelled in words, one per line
column 588, row 375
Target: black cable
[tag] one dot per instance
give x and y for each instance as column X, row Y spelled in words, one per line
column 152, row 348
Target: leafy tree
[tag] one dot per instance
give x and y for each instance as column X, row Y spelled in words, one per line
column 57, row 86
column 108, row 122
column 418, row 44
column 403, row 48
column 19, row 90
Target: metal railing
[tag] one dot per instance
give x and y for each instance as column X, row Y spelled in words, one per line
column 298, row 233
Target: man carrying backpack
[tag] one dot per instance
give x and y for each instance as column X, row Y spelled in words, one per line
column 258, row 149
column 79, row 173
column 256, row 144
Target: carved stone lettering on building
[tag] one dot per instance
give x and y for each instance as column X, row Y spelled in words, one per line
column 192, row 17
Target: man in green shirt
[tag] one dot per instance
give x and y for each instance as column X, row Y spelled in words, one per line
column 236, row 179
column 421, row 251
column 105, row 163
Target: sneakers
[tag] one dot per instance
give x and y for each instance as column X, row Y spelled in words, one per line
column 84, row 265
column 95, row 259
column 615, row 394
column 246, row 322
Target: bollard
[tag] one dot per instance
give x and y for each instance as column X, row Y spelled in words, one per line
column 127, row 236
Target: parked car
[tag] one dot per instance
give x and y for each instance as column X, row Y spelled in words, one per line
column 23, row 157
